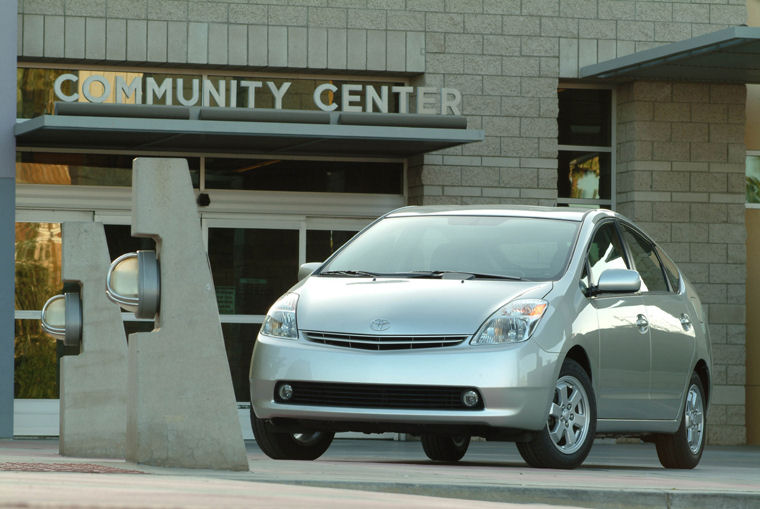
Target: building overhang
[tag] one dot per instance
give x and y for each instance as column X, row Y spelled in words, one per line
column 148, row 128
column 731, row 55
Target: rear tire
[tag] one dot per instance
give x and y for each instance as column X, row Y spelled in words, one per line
column 445, row 447
column 566, row 439
column 683, row 449
column 278, row 445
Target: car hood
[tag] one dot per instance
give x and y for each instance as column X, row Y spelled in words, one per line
column 410, row 306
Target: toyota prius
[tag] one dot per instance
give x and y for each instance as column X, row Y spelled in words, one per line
column 547, row 327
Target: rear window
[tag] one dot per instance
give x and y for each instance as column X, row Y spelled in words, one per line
column 528, row 248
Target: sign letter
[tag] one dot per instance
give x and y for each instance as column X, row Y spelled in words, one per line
column 106, row 89
column 57, row 87
column 318, row 97
column 450, row 98
column 278, row 93
column 124, row 91
column 152, row 89
column 403, row 97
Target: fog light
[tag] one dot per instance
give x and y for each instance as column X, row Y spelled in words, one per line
column 285, row 392
column 470, row 398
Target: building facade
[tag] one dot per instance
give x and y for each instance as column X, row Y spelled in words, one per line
column 668, row 152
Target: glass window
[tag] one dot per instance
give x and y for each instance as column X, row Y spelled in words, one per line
column 532, row 249
column 252, row 267
column 38, row 277
column 239, row 339
column 82, row 169
column 587, row 176
column 752, row 175
column 307, row 176
column 585, row 116
column 36, row 93
column 605, row 252
column 645, row 261
column 320, row 244
column 671, row 271
column 585, row 157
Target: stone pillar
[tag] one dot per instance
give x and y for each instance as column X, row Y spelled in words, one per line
column 680, row 176
column 93, row 413
column 8, row 11
column 181, row 408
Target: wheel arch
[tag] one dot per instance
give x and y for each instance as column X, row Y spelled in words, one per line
column 579, row 355
column 703, row 372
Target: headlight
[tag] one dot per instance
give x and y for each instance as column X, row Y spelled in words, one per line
column 512, row 323
column 281, row 318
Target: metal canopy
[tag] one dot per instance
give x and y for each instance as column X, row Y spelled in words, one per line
column 225, row 130
column 731, row 55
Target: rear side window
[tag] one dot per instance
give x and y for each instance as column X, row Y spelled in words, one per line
column 645, row 262
column 671, row 271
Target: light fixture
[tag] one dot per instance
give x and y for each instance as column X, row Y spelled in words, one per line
column 134, row 283
column 62, row 318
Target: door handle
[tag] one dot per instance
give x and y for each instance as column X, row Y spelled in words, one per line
column 685, row 321
column 642, row 323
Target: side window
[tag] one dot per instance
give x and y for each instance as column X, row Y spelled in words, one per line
column 671, row 271
column 604, row 252
column 645, row 262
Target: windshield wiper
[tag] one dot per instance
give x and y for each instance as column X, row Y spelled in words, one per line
column 348, row 273
column 451, row 274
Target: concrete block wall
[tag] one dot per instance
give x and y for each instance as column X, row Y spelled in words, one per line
column 680, row 176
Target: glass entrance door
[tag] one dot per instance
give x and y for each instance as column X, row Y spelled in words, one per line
column 253, row 262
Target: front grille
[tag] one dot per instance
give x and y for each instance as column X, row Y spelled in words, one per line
column 369, row 342
column 417, row 397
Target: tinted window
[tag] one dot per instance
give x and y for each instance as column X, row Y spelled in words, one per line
column 671, row 271
column 605, row 252
column 530, row 248
column 645, row 262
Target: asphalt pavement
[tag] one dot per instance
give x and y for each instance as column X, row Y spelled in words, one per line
column 382, row 473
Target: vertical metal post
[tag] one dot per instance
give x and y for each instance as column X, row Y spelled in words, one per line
column 8, row 13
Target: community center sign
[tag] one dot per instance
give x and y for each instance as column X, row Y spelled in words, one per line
column 353, row 97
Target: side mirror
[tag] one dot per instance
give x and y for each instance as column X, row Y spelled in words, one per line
column 306, row 269
column 134, row 283
column 618, row 281
column 62, row 318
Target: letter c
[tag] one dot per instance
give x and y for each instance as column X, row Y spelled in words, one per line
column 57, row 87
column 318, row 97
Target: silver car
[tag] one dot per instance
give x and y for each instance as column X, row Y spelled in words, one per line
column 543, row 326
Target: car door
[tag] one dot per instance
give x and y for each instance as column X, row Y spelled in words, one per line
column 622, row 383
column 672, row 335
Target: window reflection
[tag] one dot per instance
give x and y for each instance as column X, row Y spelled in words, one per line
column 83, row 169
column 251, row 267
column 238, row 342
column 35, row 374
column 320, row 244
column 584, row 175
column 305, row 176
column 38, row 277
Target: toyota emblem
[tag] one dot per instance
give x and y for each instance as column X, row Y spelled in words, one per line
column 379, row 324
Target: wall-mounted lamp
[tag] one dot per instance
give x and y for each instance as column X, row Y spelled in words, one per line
column 62, row 318
column 134, row 283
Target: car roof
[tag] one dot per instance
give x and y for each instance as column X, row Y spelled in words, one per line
column 563, row 213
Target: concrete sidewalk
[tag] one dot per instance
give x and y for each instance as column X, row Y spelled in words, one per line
column 380, row 473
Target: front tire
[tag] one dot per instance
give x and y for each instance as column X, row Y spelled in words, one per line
column 448, row 448
column 566, row 439
column 279, row 445
column 683, row 449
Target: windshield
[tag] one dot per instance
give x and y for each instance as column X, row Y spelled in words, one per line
column 513, row 247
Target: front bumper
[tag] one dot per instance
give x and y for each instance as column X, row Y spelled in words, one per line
column 516, row 382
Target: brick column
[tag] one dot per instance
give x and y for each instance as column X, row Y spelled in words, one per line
column 680, row 176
